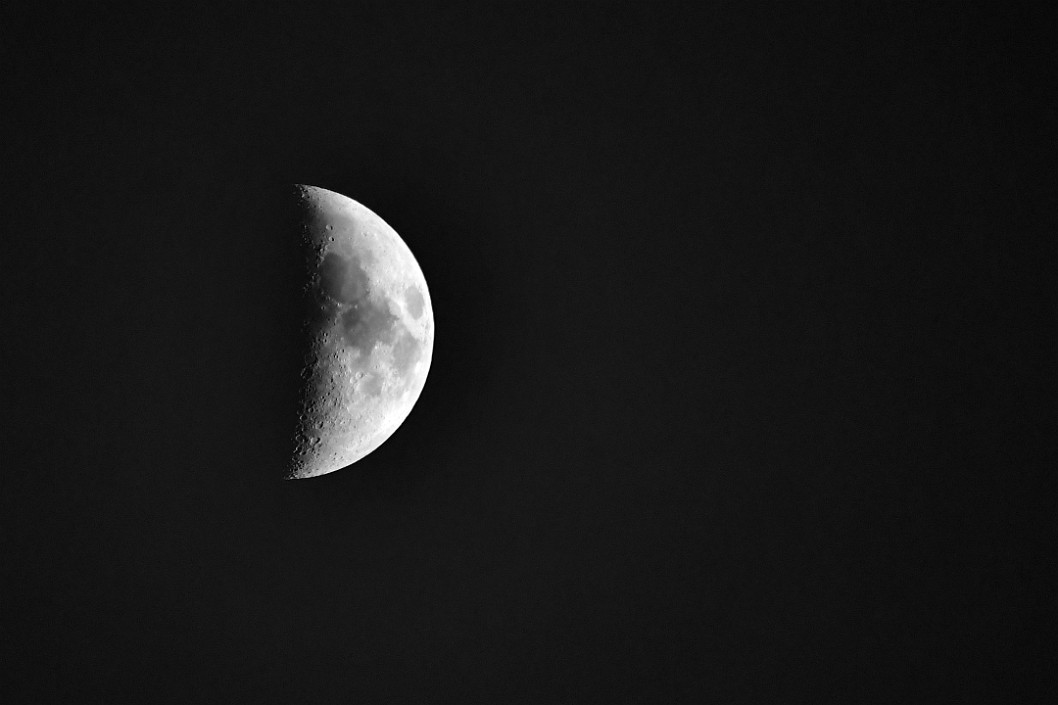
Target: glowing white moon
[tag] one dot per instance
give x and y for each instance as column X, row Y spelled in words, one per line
column 371, row 334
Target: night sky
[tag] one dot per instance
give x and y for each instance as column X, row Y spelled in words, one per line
column 743, row 388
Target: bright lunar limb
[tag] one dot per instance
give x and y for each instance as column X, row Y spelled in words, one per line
column 370, row 331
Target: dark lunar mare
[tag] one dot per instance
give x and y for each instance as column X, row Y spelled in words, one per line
column 344, row 279
column 365, row 322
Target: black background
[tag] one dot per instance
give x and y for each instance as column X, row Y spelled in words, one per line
column 743, row 386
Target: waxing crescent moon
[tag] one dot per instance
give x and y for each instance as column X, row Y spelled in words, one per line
column 369, row 334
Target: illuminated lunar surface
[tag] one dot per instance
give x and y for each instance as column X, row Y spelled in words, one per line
column 371, row 334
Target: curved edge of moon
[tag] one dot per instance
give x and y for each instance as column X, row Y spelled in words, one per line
column 370, row 334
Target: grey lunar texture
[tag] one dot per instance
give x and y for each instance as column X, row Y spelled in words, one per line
column 370, row 329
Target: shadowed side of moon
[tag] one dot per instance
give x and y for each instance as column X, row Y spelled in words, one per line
column 369, row 333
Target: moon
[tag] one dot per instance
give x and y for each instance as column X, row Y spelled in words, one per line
column 369, row 333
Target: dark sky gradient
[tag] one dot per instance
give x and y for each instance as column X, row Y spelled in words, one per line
column 743, row 387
